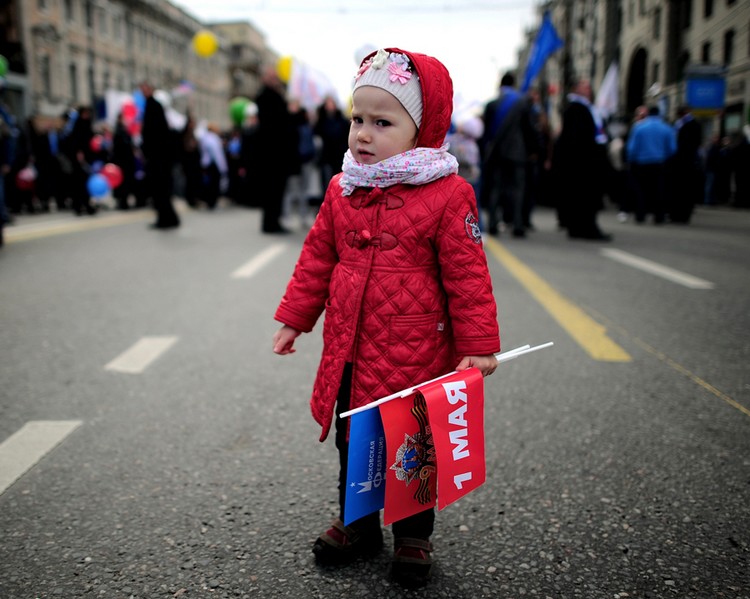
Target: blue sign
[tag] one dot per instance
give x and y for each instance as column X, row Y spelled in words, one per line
column 706, row 94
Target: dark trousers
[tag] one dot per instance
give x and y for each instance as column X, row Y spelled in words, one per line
column 506, row 194
column 650, row 183
column 418, row 526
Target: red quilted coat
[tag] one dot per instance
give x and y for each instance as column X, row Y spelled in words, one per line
column 400, row 272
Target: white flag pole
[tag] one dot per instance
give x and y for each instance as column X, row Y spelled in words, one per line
column 501, row 357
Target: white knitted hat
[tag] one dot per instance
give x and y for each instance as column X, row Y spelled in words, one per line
column 394, row 73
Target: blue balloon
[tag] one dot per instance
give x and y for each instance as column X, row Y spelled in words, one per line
column 98, row 185
column 140, row 101
column 97, row 166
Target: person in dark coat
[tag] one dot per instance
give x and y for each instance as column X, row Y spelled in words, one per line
column 123, row 155
column 580, row 166
column 158, row 148
column 277, row 149
column 686, row 169
column 332, row 127
column 78, row 148
column 508, row 141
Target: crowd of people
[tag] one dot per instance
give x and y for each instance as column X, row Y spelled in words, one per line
column 280, row 159
column 283, row 155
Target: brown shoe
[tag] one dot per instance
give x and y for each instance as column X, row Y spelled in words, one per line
column 412, row 562
column 343, row 544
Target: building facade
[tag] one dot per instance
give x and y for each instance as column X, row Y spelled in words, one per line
column 658, row 46
column 64, row 53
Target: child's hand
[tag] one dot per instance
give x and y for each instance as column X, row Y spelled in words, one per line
column 485, row 364
column 283, row 340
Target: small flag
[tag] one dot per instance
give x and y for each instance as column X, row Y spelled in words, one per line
column 411, row 480
column 456, row 410
column 366, row 466
column 546, row 43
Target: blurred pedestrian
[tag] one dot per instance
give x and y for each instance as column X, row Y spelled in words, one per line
column 651, row 144
column 580, row 165
column 395, row 253
column 249, row 162
column 213, row 166
column 686, row 168
column 740, row 158
column 332, row 127
column 81, row 155
column 301, row 164
column 508, row 141
column 190, row 163
column 158, row 147
column 45, row 146
column 277, row 149
column 123, row 155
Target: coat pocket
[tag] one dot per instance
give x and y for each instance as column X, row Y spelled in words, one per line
column 416, row 339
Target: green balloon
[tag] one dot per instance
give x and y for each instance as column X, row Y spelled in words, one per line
column 237, row 109
column 3, row 65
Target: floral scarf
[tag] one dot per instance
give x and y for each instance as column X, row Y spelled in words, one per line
column 414, row 167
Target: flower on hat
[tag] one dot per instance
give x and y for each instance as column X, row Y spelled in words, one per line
column 399, row 66
column 399, row 72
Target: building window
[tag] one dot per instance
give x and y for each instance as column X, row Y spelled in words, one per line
column 69, row 15
column 657, row 24
column 631, row 11
column 88, row 10
column 641, row 7
column 102, row 22
column 655, row 72
column 44, row 74
column 73, row 78
column 708, row 8
column 706, row 53
column 687, row 13
column 41, row 4
column 728, row 46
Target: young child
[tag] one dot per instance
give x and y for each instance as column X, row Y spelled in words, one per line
column 395, row 259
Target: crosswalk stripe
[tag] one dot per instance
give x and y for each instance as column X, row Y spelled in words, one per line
column 136, row 359
column 28, row 445
column 253, row 265
column 654, row 268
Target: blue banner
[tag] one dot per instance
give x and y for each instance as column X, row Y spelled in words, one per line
column 546, row 43
column 365, row 476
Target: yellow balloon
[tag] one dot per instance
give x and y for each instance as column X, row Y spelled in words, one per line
column 205, row 44
column 284, row 68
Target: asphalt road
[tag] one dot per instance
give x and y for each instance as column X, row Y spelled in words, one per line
column 618, row 461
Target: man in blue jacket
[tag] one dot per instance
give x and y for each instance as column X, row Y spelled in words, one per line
column 651, row 144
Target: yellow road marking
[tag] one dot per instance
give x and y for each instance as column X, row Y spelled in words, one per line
column 83, row 223
column 588, row 333
column 681, row 369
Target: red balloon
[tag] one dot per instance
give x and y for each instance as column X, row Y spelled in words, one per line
column 129, row 112
column 96, row 143
column 113, row 174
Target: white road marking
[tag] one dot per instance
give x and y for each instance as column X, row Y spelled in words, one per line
column 253, row 265
column 28, row 445
column 657, row 269
column 136, row 359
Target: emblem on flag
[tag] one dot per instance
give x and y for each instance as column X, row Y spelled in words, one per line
column 415, row 457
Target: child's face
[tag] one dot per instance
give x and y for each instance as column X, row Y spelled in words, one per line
column 381, row 127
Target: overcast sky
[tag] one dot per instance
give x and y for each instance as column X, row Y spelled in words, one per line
column 477, row 41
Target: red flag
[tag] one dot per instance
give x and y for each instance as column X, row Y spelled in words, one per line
column 410, row 468
column 456, row 411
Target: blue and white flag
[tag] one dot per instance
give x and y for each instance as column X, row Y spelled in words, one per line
column 365, row 476
column 546, row 43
